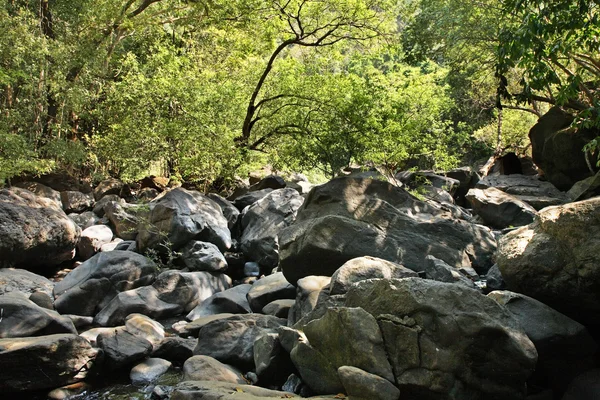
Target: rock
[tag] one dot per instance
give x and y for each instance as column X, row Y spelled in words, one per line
column 557, row 148
column 149, row 371
column 126, row 245
column 343, row 336
column 192, row 329
column 76, row 202
column 585, row 189
column 108, row 186
column 308, row 292
column 269, row 182
column 538, row 194
column 585, row 387
column 565, row 348
column 447, row 341
column 173, row 293
column 250, row 198
column 273, row 363
column 348, row 218
column 251, row 268
column 85, row 219
column 229, row 210
column 262, row 222
column 143, row 327
column 91, row 335
column 92, row 239
column 122, row 348
column 158, row 183
column 494, row 280
column 278, row 308
column 179, row 216
column 500, row 210
column 293, row 384
column 23, row 281
column 205, row 368
column 22, row 318
column 58, row 359
column 440, row 271
column 175, row 349
column 233, row 300
column 554, row 260
column 43, row 191
column 231, row 340
column 360, row 384
column 61, row 181
column 418, row 179
column 191, row 390
column 467, row 179
column 125, row 218
column 80, row 321
column 33, row 232
column 147, row 194
column 69, row 391
column 112, row 245
column 269, row 288
column 362, row 268
column 92, row 285
column 100, row 204
column 42, row 299
column 202, row 256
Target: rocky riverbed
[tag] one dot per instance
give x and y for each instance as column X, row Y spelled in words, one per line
column 360, row 288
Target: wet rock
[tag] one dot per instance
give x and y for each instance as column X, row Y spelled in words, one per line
column 149, row 371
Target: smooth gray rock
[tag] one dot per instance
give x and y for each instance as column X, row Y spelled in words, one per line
column 231, row 340
column 205, row 368
column 447, row 341
column 263, row 220
column 174, row 292
column 122, row 348
column 250, row 198
column 348, row 218
column 500, row 210
column 361, row 268
column 146, row 328
column 20, row 317
column 58, row 359
column 273, row 363
column 112, row 245
column 494, row 280
column 539, row 194
column 360, row 384
column 202, row 256
column 191, row 329
column 149, row 371
column 278, row 308
column 92, row 285
column 229, row 210
column 76, row 202
column 99, row 206
column 585, row 189
column 554, row 260
column 85, row 219
column 308, row 292
column 175, row 349
column 22, row 281
column 179, row 216
column 92, row 239
column 233, row 300
column 33, row 231
column 269, row 288
column 438, row 270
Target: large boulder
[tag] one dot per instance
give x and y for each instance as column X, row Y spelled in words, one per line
column 122, row 348
column 350, row 217
column 446, row 341
column 125, row 218
column 233, row 300
column 34, row 232
column 269, row 288
column 76, row 202
column 499, row 209
column 21, row 318
column 42, row 191
column 530, row 189
column 263, row 220
column 44, row 362
column 92, row 239
column 555, row 260
column 231, row 340
column 565, row 348
column 342, row 337
column 23, row 281
column 180, row 215
column 92, row 285
column 173, row 293
column 556, row 148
